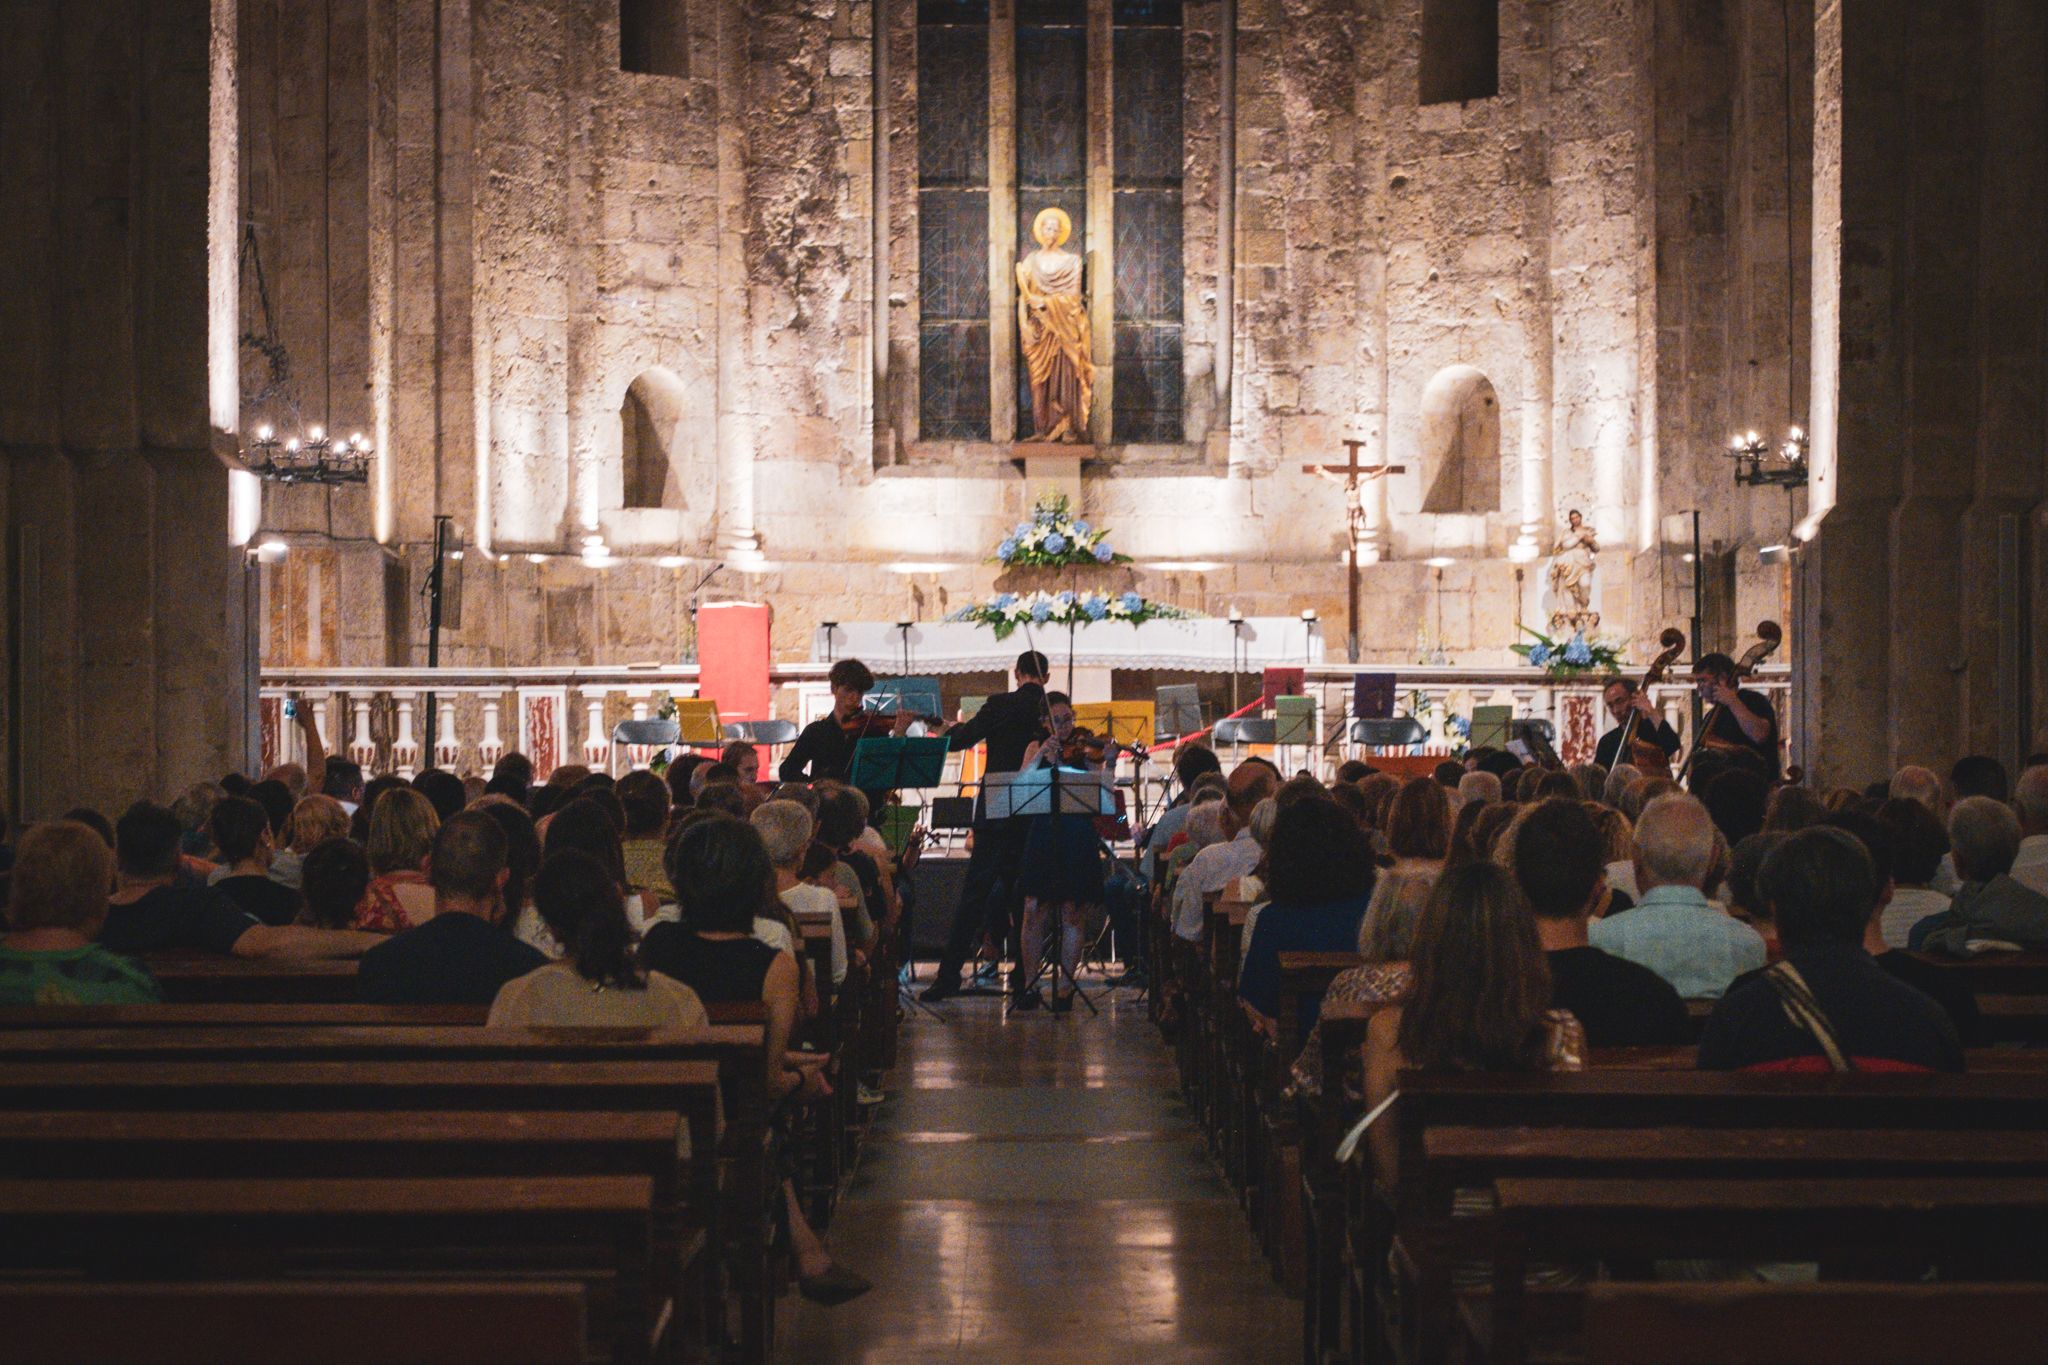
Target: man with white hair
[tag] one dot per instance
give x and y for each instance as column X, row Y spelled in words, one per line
column 1913, row 783
column 1992, row 905
column 786, row 828
column 2030, row 800
column 1478, row 786
column 1675, row 930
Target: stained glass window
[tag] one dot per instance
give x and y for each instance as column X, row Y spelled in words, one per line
column 952, row 198
column 1052, row 133
column 1147, row 154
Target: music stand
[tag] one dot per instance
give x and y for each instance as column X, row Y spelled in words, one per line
column 1294, row 721
column 1180, row 711
column 908, row 762
column 1048, row 792
column 1535, row 735
column 697, row 723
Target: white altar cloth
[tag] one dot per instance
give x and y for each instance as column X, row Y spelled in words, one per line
column 1203, row 645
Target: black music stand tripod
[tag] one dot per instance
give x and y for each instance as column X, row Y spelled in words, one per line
column 1051, row 792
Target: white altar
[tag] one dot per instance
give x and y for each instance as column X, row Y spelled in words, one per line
column 1202, row 645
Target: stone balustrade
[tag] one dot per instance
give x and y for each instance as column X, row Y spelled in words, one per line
column 378, row 717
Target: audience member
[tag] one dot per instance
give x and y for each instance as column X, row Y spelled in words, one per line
column 1592, row 780
column 1914, row 783
column 314, row 821
column 1385, row 938
column 1448, row 773
column 1642, row 793
column 373, row 792
column 1736, row 799
column 723, row 878
column 402, row 830
column 1235, row 856
column 1617, row 854
column 1919, row 846
column 1557, row 864
column 1980, row 775
column 1791, row 809
column 1745, row 900
column 1419, row 823
column 277, row 802
column 600, row 983
column 785, row 829
column 1479, row 999
column 1353, row 770
column 646, row 801
column 344, row 782
column 522, row 861
column 1320, row 883
column 1620, row 778
column 194, row 809
column 1548, row 784
column 1675, row 930
column 1467, row 820
column 56, row 905
column 463, row 953
column 1948, row 989
column 333, row 875
column 1476, row 787
column 511, row 776
column 1989, row 906
column 92, row 820
column 1826, row 1005
column 2030, row 801
column 241, row 833
column 149, row 912
column 443, row 789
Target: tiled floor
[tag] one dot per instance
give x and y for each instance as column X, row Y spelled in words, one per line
column 1034, row 1193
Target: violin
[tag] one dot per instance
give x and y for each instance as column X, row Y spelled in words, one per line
column 1647, row 755
column 879, row 725
column 1083, row 746
column 1769, row 636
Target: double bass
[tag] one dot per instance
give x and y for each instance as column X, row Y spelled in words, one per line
column 1769, row 635
column 1647, row 756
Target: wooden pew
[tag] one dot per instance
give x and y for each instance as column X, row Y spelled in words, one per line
column 347, row 1322
column 236, row 1015
column 213, row 979
column 463, row 1069
column 1996, row 973
column 1833, row 1324
column 1558, row 1118
column 1304, row 977
column 1809, row 1219
column 179, row 1224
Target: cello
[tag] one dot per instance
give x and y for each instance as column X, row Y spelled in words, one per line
column 1769, row 635
column 1646, row 755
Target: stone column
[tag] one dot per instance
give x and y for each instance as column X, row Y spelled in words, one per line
column 1101, row 245
column 1002, row 223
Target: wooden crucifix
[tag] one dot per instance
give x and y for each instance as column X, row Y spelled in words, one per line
column 1352, row 472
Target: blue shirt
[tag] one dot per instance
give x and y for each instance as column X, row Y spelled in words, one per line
column 1327, row 928
column 1678, row 934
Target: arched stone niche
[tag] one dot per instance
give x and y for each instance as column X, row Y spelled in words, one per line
column 1460, row 442
column 650, row 421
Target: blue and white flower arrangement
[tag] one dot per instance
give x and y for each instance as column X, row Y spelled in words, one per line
column 1007, row 611
column 1570, row 659
column 1055, row 538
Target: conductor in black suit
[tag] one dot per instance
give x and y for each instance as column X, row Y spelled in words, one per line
column 1007, row 724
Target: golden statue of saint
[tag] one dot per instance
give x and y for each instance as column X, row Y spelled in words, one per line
column 1052, row 320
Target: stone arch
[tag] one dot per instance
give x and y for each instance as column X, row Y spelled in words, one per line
column 1460, row 442
column 650, row 438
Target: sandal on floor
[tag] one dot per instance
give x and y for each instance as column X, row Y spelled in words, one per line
column 835, row 1286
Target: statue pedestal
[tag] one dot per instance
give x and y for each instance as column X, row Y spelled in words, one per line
column 1052, row 467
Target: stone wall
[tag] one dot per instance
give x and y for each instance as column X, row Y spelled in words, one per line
column 513, row 231
column 1923, row 595
column 130, row 651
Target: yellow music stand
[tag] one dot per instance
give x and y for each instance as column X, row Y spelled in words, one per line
column 697, row 723
column 1129, row 723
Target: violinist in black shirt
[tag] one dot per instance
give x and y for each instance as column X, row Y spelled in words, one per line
column 824, row 749
column 1009, row 724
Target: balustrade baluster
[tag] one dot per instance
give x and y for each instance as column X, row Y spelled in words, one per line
column 492, row 747
column 405, row 750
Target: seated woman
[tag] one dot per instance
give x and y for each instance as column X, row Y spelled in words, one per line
column 585, row 826
column 723, row 879
column 1479, row 1001
column 1386, row 936
column 334, row 874
column 62, row 873
column 600, row 984
column 314, row 821
column 1320, row 883
column 402, row 829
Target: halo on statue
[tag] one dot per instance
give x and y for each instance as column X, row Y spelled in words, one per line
column 1052, row 227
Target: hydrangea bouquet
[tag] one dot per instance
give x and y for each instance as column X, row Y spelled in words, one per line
column 1573, row 658
column 1005, row 612
column 1055, row 538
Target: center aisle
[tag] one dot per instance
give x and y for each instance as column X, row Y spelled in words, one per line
column 1034, row 1192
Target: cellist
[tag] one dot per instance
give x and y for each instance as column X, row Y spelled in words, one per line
column 1651, row 734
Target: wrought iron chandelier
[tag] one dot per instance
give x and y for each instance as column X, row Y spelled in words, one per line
column 313, row 455
column 1755, row 466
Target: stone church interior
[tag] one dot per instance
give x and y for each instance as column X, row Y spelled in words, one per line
column 1126, row 680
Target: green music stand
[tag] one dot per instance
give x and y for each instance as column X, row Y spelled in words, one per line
column 898, row 763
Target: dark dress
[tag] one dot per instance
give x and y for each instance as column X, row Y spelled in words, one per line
column 721, row 971
column 1062, row 859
